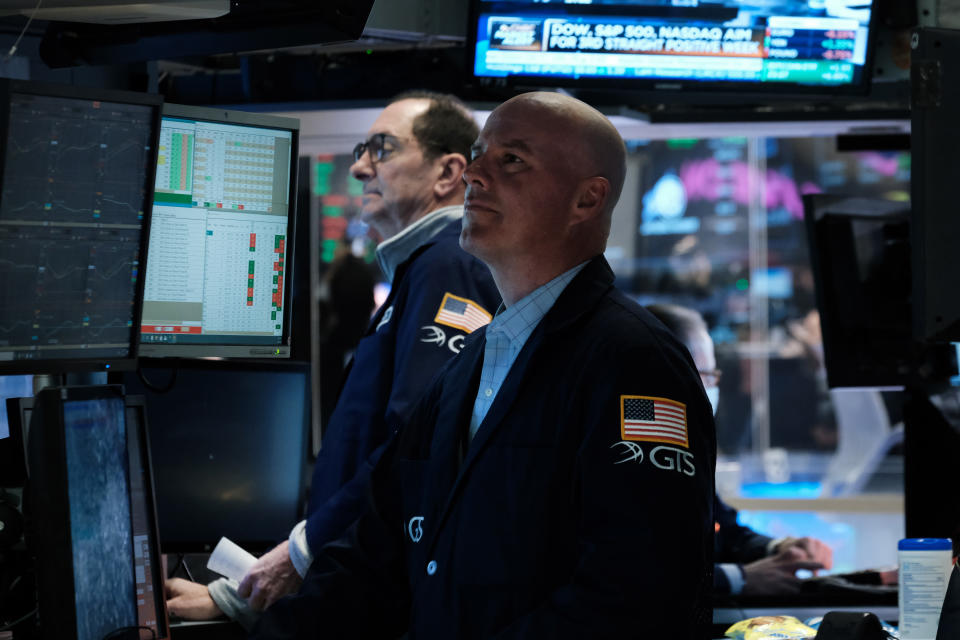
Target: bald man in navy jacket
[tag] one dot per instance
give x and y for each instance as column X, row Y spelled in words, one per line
column 557, row 479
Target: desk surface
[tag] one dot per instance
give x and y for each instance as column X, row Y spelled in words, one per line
column 862, row 503
column 206, row 630
column 729, row 615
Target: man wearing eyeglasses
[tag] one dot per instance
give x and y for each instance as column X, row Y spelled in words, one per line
column 411, row 167
column 748, row 561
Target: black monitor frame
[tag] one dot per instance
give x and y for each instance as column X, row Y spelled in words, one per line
column 164, row 354
column 661, row 90
column 48, row 506
column 87, row 364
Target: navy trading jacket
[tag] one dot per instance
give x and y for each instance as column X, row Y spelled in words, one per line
column 438, row 295
column 583, row 507
column 733, row 543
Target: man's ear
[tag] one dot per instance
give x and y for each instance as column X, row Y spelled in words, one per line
column 591, row 198
column 450, row 179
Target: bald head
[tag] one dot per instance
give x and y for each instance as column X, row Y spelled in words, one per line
column 545, row 174
column 595, row 146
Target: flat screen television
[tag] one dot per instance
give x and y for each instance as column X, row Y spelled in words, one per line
column 763, row 46
column 77, row 167
column 220, row 253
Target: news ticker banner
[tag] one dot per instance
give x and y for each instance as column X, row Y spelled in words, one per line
column 816, row 49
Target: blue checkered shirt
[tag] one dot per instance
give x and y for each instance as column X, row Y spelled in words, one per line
column 506, row 335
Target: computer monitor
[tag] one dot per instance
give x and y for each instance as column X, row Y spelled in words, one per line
column 861, row 256
column 76, row 170
column 219, row 259
column 94, row 531
column 230, row 450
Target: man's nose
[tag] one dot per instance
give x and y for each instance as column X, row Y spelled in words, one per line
column 475, row 174
column 363, row 169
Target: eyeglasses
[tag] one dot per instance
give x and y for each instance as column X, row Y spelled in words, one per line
column 711, row 378
column 380, row 146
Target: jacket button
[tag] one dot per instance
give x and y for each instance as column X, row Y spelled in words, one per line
column 431, row 567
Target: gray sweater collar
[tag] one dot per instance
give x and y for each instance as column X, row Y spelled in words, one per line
column 392, row 252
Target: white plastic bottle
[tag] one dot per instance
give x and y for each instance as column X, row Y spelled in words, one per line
column 925, row 566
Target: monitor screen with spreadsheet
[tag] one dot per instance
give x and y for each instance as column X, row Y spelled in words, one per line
column 77, row 167
column 219, row 257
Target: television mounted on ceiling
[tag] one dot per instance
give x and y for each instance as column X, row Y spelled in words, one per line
column 790, row 47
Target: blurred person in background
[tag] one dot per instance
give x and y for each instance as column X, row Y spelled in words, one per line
column 746, row 561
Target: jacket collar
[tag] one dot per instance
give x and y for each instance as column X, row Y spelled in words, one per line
column 580, row 296
column 394, row 251
column 449, row 229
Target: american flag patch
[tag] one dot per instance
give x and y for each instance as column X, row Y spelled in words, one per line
column 461, row 313
column 653, row 420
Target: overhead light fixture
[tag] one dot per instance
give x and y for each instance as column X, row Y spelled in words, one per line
column 120, row 12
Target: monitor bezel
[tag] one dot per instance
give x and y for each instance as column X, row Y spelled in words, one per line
column 662, row 90
column 153, row 354
column 118, row 363
column 138, row 404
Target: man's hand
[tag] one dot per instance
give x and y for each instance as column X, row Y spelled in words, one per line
column 812, row 549
column 272, row 577
column 189, row 600
column 776, row 574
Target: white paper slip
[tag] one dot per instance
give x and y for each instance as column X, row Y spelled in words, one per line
column 230, row 560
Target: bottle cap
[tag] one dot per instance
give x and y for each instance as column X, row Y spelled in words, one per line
column 925, row 544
